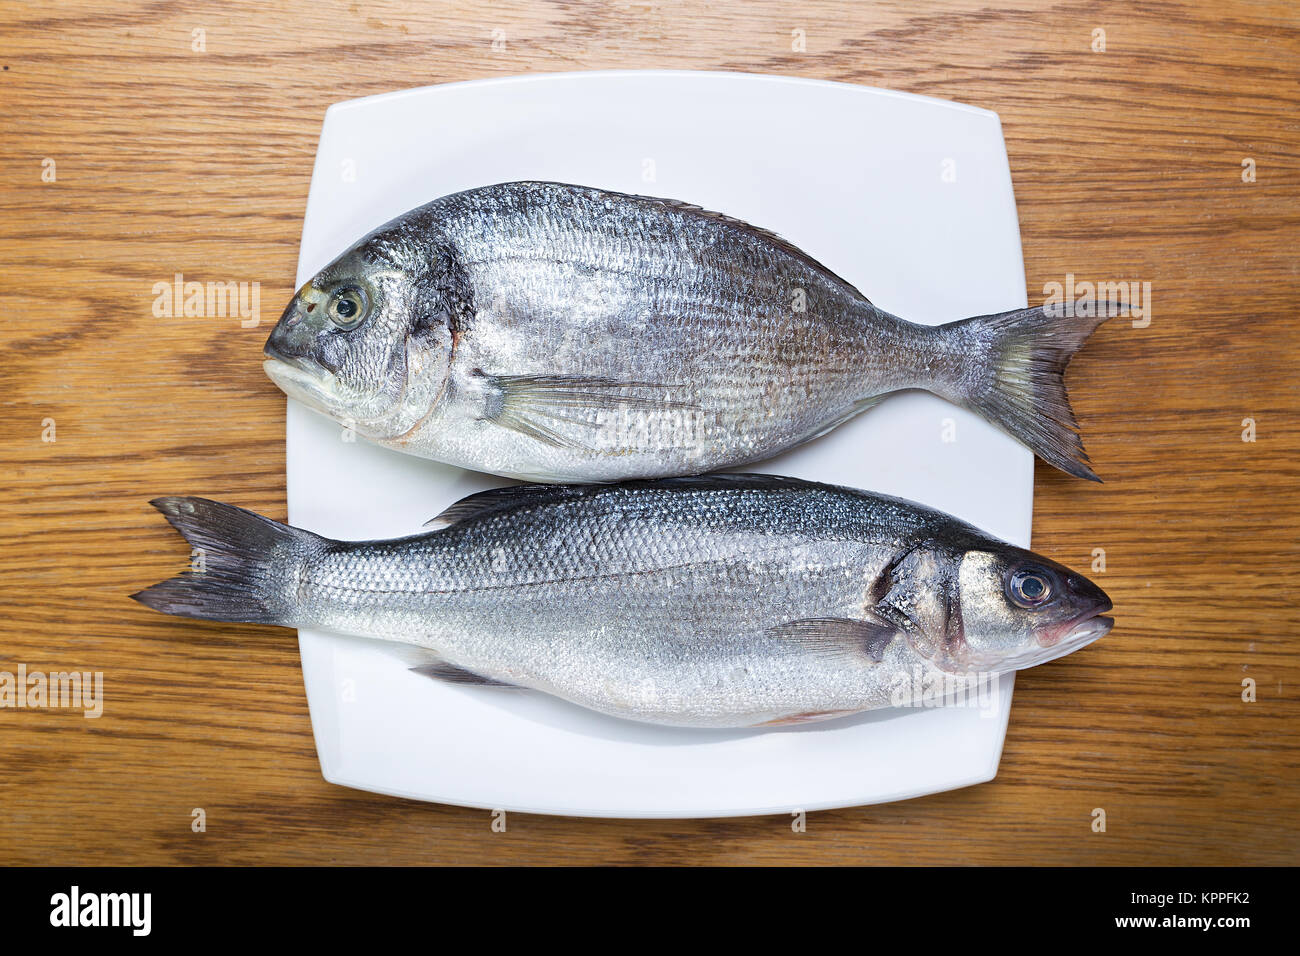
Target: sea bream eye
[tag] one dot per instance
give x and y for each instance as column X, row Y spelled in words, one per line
column 348, row 307
column 1030, row 588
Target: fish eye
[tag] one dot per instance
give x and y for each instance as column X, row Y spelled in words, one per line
column 348, row 307
column 1030, row 587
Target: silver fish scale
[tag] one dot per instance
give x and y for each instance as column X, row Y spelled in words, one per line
column 652, row 601
column 690, row 308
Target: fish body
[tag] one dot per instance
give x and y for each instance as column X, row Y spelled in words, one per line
column 722, row 601
column 562, row 333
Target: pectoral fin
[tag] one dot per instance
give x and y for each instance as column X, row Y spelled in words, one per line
column 843, row 637
column 533, row 405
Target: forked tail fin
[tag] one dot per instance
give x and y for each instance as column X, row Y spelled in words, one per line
column 244, row 567
column 1020, row 381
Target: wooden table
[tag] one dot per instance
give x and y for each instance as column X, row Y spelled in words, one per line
column 1128, row 165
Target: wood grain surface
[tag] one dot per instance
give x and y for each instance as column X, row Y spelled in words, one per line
column 1128, row 165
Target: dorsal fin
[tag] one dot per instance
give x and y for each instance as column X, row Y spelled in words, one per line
column 785, row 245
column 496, row 500
column 690, row 209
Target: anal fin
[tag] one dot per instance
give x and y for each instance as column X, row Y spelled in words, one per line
column 857, row 409
column 450, row 673
column 427, row 663
column 808, row 717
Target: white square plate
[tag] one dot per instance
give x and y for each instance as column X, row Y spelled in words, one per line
column 907, row 197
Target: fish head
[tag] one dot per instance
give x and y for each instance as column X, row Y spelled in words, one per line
column 1019, row 609
column 992, row 607
column 367, row 340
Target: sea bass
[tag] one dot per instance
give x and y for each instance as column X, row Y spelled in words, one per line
column 719, row 601
column 566, row 334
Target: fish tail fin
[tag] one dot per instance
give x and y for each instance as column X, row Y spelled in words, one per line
column 1020, row 382
column 244, row 566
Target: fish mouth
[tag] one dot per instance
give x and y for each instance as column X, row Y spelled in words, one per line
column 1091, row 629
column 1066, row 638
column 1081, row 633
column 1085, row 627
column 1078, row 633
column 297, row 377
column 1075, row 633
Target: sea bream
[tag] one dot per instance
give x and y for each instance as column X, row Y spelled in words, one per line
column 565, row 334
column 718, row 601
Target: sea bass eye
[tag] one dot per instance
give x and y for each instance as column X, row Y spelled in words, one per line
column 1029, row 587
column 347, row 307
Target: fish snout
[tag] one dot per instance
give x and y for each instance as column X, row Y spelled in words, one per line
column 291, row 340
column 1088, row 596
column 293, row 313
column 293, row 358
column 1088, row 603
